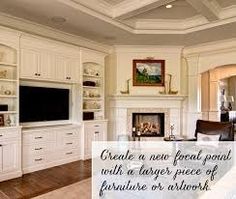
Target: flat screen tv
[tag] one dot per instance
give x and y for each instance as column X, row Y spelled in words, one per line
column 39, row 104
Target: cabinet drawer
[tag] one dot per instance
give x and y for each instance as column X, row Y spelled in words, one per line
column 32, row 160
column 38, row 148
column 69, row 133
column 9, row 133
column 69, row 153
column 95, row 127
column 40, row 136
column 70, row 143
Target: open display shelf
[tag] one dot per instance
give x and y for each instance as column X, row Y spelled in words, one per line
column 93, row 91
column 9, row 84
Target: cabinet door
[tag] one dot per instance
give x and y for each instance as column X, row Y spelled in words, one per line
column 72, row 70
column 29, row 63
column 93, row 132
column 9, row 157
column 47, row 66
column 60, row 68
column 88, row 138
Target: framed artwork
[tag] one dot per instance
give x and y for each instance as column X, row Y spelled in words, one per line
column 148, row 72
column 1, row 120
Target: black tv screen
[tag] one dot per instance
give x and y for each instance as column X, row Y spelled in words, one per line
column 38, row 104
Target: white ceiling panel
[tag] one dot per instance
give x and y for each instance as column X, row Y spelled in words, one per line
column 226, row 3
column 180, row 10
column 113, row 2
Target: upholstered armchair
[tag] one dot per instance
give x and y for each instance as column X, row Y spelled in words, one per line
column 223, row 129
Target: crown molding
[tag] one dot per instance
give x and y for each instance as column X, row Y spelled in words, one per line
column 176, row 25
column 147, row 48
column 190, row 25
column 25, row 26
column 99, row 6
column 152, row 26
column 228, row 12
column 131, row 8
column 208, row 9
column 221, row 46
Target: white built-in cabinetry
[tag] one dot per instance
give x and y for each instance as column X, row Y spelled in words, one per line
column 49, row 61
column 10, row 153
column 92, row 131
column 50, row 146
column 93, row 72
column 93, row 82
column 10, row 132
column 9, row 80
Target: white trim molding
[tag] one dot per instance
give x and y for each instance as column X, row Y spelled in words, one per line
column 24, row 26
column 211, row 15
column 221, row 46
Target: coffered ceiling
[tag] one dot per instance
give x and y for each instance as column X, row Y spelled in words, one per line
column 132, row 21
column 226, row 3
column 113, row 2
column 181, row 10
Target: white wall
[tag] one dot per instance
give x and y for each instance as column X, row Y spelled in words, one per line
column 122, row 67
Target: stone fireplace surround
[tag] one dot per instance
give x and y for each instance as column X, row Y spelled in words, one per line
column 121, row 108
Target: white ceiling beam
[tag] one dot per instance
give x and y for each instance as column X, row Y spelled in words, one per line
column 208, row 8
column 131, row 8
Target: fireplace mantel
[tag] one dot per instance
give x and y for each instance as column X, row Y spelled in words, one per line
column 148, row 97
column 120, row 107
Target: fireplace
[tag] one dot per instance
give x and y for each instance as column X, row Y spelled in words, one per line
column 148, row 124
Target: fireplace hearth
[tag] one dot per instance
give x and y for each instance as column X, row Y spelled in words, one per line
column 148, row 124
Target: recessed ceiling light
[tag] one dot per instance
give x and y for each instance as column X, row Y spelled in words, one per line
column 169, row 6
column 58, row 20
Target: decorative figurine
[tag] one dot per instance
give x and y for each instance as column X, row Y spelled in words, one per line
column 171, row 136
column 127, row 85
column 169, row 85
column 8, row 121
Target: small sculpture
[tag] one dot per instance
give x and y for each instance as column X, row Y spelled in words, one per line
column 170, row 91
column 8, row 121
column 172, row 136
column 127, row 86
column 165, row 89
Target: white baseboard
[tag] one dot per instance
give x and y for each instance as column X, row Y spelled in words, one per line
column 31, row 169
column 8, row 176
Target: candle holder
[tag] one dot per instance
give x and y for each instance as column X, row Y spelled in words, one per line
column 172, row 136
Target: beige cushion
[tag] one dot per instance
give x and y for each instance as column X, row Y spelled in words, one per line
column 212, row 140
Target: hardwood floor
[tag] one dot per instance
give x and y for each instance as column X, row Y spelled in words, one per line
column 40, row 182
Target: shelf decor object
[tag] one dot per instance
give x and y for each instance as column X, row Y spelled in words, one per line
column 148, row 72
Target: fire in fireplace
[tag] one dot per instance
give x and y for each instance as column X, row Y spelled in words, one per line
column 148, row 124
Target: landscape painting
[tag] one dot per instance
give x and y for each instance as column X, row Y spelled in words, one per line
column 148, row 72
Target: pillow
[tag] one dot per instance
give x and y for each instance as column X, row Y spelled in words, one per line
column 208, row 140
